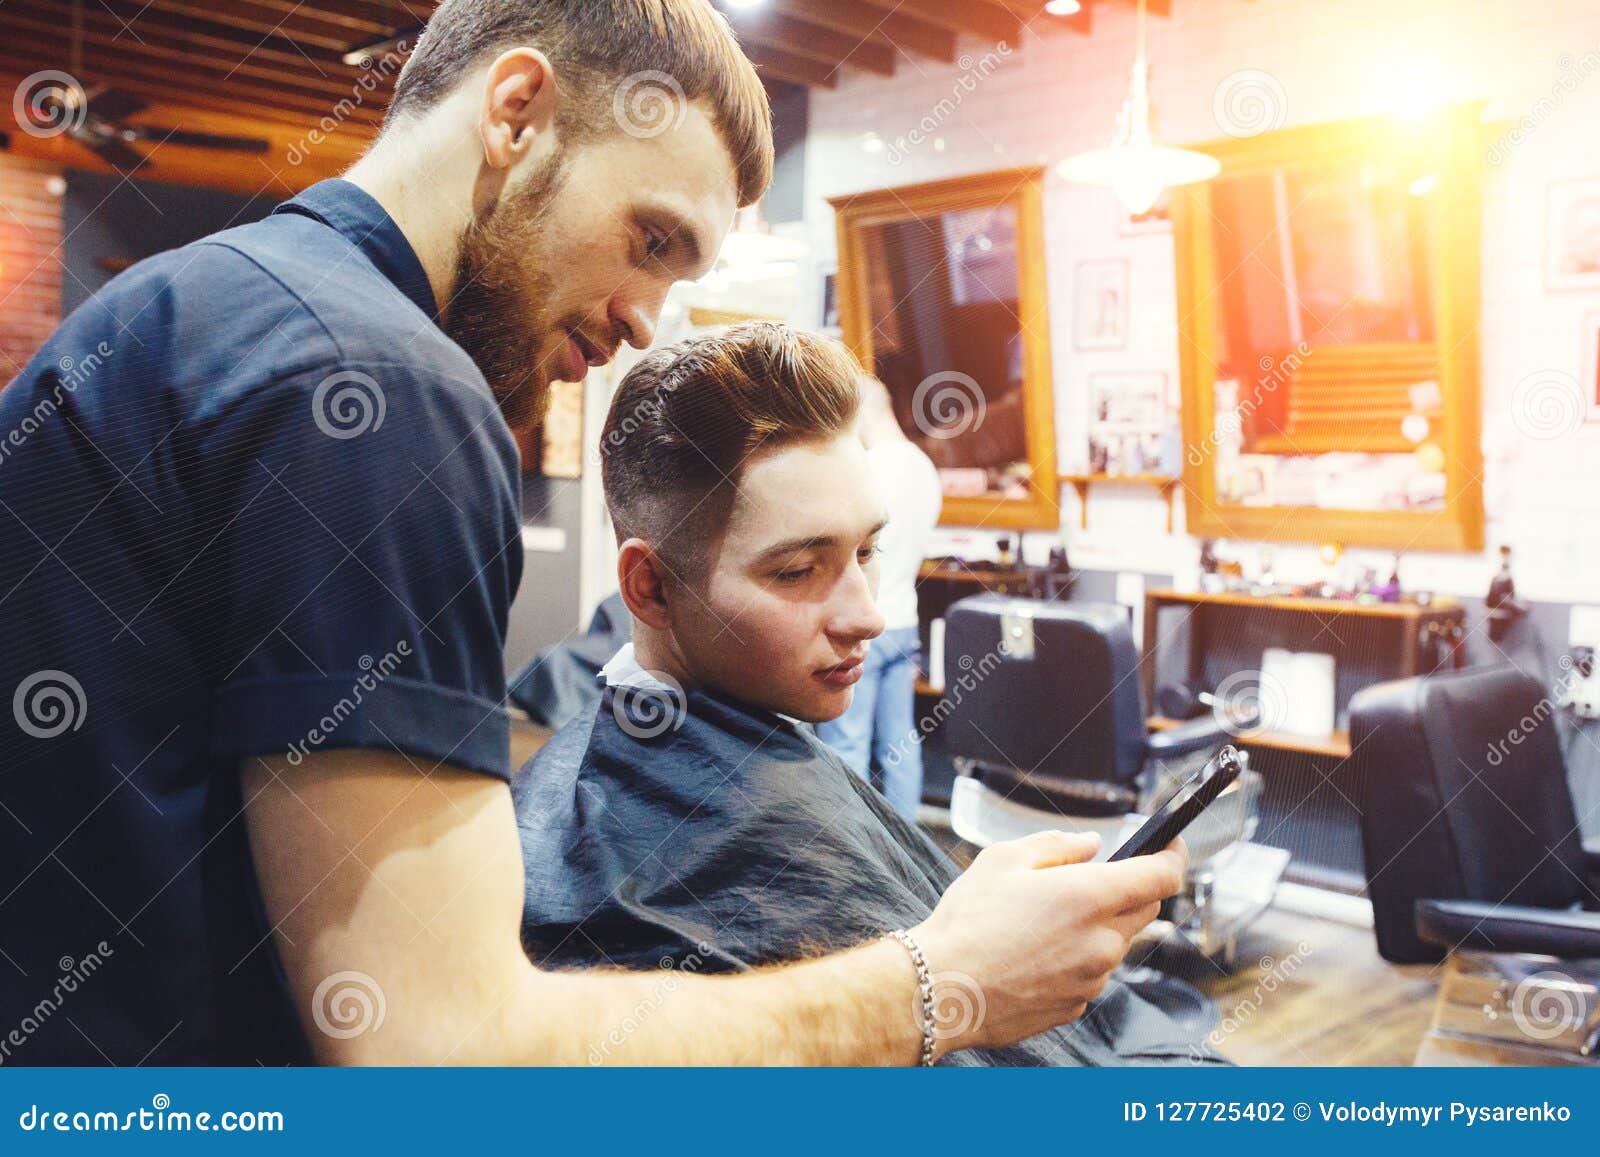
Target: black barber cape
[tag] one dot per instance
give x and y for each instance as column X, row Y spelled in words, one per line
column 693, row 832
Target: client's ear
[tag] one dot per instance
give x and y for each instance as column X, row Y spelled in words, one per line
column 642, row 577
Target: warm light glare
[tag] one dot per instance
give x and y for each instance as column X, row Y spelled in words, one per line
column 1063, row 7
column 1137, row 173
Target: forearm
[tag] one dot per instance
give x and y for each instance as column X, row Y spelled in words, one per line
column 852, row 1008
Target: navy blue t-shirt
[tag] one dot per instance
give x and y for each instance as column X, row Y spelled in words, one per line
column 253, row 502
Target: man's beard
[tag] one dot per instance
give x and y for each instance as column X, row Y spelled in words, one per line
column 498, row 312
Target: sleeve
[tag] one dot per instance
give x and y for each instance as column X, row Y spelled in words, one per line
column 367, row 542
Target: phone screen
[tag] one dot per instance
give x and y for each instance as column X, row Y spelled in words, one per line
column 1191, row 798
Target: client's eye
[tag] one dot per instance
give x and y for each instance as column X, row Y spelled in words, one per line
column 794, row 575
column 867, row 553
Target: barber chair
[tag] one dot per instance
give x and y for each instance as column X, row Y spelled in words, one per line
column 1473, row 857
column 1044, row 714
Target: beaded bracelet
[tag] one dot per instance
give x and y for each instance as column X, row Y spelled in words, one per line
column 925, row 992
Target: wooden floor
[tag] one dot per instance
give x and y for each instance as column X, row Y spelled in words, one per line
column 1304, row 990
column 1312, row 991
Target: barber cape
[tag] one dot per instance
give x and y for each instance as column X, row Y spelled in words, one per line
column 688, row 831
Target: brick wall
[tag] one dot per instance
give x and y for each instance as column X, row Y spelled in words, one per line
column 30, row 272
column 1055, row 94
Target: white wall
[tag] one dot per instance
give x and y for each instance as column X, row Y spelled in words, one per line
column 1056, row 93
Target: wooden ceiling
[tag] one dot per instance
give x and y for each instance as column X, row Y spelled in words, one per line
column 274, row 68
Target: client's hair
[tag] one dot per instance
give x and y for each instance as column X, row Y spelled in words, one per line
column 688, row 417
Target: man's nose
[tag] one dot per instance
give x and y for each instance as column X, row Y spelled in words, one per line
column 636, row 322
column 856, row 615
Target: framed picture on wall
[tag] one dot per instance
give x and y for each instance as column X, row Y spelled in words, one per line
column 1572, row 236
column 1100, row 305
column 828, row 314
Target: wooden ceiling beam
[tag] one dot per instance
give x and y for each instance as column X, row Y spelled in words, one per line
column 25, row 53
column 979, row 17
column 795, row 69
column 812, row 41
column 895, row 29
column 276, row 17
column 186, row 48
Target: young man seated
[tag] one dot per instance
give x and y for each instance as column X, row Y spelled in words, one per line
column 692, row 821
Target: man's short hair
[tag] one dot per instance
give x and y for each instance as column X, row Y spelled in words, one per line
column 617, row 60
column 688, row 417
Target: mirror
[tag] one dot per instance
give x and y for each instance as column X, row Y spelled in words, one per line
column 941, row 295
column 1328, row 301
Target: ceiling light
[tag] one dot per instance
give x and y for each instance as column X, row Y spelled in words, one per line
column 1135, row 167
column 362, row 55
column 1063, row 7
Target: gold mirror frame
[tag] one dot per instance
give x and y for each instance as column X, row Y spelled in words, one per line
column 1023, row 188
column 1451, row 139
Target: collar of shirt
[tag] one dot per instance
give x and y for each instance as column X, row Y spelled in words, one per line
column 623, row 670
column 354, row 213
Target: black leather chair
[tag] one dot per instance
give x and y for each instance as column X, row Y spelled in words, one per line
column 1473, row 854
column 1044, row 713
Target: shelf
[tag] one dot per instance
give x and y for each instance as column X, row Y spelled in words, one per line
column 1082, row 482
column 1335, row 746
column 1444, row 607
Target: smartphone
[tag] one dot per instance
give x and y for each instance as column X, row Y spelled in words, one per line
column 1192, row 797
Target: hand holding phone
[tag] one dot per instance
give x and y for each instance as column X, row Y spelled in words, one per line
column 1191, row 798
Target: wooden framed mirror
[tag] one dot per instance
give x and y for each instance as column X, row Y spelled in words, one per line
column 941, row 291
column 1328, row 303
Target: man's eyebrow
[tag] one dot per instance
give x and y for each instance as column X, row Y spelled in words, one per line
column 680, row 230
column 812, row 542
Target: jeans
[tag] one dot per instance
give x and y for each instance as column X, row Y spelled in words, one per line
column 881, row 726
